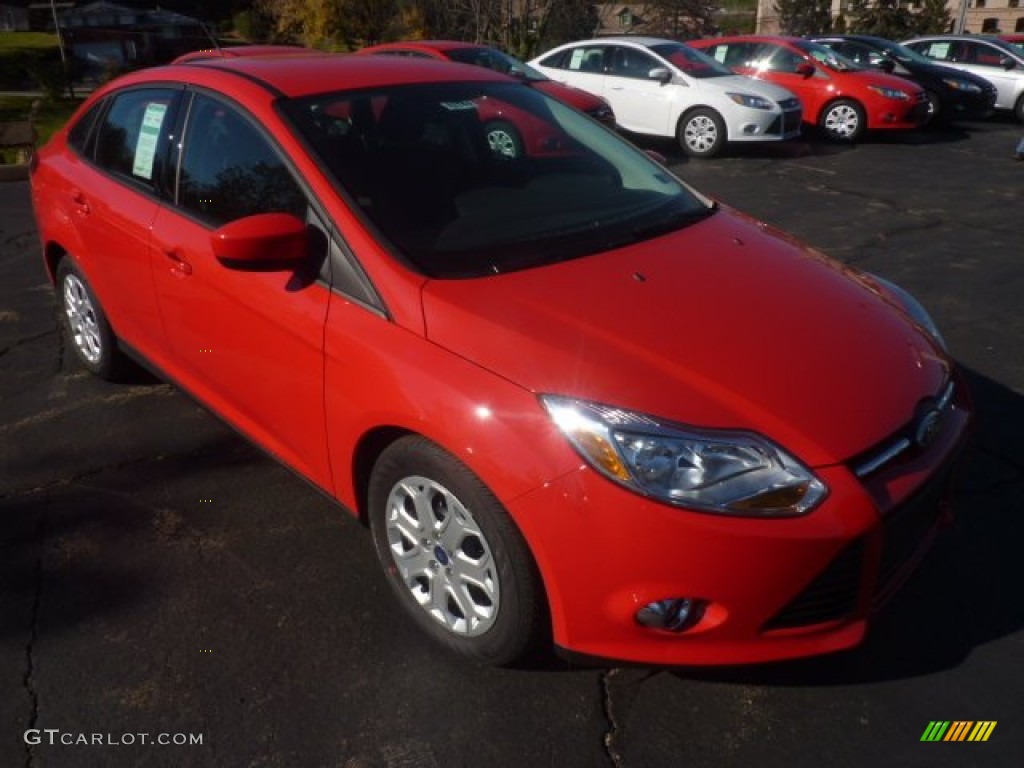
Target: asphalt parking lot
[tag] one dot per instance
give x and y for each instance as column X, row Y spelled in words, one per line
column 160, row 576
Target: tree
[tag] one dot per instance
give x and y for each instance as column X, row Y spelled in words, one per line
column 885, row 18
column 932, row 19
column 804, row 17
column 682, row 19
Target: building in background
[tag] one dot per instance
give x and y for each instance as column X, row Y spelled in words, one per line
column 978, row 16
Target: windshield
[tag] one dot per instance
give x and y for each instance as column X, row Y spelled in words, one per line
column 470, row 179
column 690, row 61
column 492, row 58
column 902, row 53
column 826, row 56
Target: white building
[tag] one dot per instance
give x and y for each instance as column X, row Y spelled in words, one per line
column 1004, row 16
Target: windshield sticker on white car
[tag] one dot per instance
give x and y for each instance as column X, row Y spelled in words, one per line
column 938, row 50
column 576, row 60
column 145, row 147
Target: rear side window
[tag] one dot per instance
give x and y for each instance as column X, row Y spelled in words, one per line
column 132, row 133
column 81, row 131
column 230, row 170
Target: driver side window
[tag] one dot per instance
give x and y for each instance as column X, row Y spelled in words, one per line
column 229, row 169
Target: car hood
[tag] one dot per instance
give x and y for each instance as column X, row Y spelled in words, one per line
column 574, row 97
column 868, row 77
column 732, row 83
column 724, row 324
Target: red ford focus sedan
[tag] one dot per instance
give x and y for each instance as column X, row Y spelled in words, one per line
column 840, row 98
column 571, row 397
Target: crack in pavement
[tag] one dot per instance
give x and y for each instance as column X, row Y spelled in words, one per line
column 79, row 477
column 29, row 679
column 613, row 701
column 611, row 734
column 27, row 340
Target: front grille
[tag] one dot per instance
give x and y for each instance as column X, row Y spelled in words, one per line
column 774, row 128
column 792, row 120
column 900, row 442
column 832, row 595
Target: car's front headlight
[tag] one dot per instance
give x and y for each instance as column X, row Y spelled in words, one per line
column 890, row 93
column 749, row 100
column 727, row 472
column 961, row 85
column 912, row 307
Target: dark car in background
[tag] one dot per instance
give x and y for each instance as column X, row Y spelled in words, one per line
column 952, row 93
column 996, row 60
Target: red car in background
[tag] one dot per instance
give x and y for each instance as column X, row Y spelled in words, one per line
column 501, row 138
column 839, row 97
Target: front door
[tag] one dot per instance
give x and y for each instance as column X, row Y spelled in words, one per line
column 247, row 341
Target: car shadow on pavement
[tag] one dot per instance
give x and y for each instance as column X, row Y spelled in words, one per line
column 966, row 592
column 85, row 548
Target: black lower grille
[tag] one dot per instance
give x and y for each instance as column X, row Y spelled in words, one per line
column 775, row 128
column 905, row 528
column 831, row 596
column 791, row 121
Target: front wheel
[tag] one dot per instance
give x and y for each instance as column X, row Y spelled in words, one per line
column 843, row 120
column 701, row 133
column 1018, row 110
column 85, row 324
column 504, row 139
column 456, row 560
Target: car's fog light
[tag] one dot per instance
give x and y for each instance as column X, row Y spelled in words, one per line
column 676, row 614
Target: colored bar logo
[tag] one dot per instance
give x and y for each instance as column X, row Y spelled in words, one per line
column 958, row 730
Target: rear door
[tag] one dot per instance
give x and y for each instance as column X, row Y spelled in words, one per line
column 247, row 341
column 582, row 67
column 113, row 201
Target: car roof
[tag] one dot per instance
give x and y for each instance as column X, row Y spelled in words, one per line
column 755, row 38
column 234, row 51
column 297, row 76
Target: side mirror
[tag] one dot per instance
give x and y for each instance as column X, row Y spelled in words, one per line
column 661, row 74
column 886, row 65
column 805, row 70
column 1009, row 64
column 266, row 239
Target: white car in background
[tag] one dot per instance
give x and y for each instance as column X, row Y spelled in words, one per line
column 665, row 88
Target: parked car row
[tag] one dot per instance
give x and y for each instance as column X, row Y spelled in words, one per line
column 748, row 88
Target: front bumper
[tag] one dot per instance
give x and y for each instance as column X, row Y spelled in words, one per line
column 747, row 124
column 890, row 114
column 773, row 589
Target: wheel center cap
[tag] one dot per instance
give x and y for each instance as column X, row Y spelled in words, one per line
column 441, row 555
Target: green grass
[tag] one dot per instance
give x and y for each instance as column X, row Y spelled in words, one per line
column 52, row 115
column 11, row 42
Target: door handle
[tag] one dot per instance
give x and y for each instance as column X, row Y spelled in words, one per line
column 180, row 266
column 80, row 201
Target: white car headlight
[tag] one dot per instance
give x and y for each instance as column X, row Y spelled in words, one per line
column 726, row 472
column 890, row 93
column 913, row 308
column 749, row 100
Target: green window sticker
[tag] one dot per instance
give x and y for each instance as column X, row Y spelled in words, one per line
column 145, row 147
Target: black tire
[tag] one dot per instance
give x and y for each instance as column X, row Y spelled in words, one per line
column 457, row 562
column 504, row 140
column 1018, row 109
column 85, row 326
column 843, row 120
column 701, row 133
